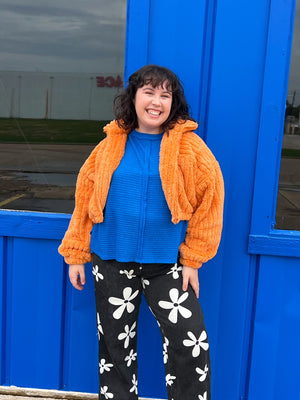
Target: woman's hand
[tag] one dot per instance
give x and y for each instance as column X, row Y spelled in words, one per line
column 190, row 276
column 77, row 275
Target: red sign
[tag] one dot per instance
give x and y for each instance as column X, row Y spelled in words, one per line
column 109, row 81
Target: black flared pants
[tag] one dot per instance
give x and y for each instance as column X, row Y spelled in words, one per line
column 118, row 290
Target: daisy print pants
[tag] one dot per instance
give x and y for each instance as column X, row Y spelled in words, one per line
column 118, row 290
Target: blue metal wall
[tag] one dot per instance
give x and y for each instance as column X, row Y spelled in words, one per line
column 233, row 59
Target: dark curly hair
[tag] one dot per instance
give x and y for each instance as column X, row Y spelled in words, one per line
column 154, row 75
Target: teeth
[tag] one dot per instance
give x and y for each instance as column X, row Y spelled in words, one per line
column 153, row 112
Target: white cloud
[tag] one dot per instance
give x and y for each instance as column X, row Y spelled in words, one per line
column 64, row 36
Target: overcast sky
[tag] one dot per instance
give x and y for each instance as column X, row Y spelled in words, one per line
column 62, row 35
column 80, row 36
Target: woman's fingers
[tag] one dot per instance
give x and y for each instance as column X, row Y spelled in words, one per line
column 190, row 276
column 77, row 275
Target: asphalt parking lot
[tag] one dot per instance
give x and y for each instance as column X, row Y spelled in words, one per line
column 42, row 177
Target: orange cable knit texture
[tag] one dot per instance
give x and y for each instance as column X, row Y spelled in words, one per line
column 192, row 183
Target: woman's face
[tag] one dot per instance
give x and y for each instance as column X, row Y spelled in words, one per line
column 152, row 106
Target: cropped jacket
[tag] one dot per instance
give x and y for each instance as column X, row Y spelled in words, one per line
column 191, row 180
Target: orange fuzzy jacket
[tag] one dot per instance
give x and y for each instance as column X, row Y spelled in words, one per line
column 192, row 183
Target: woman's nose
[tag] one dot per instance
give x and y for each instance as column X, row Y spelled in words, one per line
column 156, row 100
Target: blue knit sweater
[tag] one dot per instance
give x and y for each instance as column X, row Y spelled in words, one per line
column 137, row 222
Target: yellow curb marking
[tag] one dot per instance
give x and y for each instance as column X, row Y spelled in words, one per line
column 3, row 203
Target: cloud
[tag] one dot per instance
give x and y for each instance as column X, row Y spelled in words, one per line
column 68, row 34
column 79, row 36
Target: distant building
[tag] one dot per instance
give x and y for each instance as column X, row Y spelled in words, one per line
column 58, row 95
column 291, row 125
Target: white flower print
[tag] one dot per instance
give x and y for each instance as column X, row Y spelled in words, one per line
column 123, row 303
column 175, row 305
column 197, row 343
column 165, row 349
column 131, row 357
column 202, row 373
column 135, row 383
column 145, row 282
column 204, row 397
column 100, row 329
column 127, row 335
column 170, row 379
column 104, row 391
column 103, row 366
column 174, row 271
column 96, row 273
column 129, row 274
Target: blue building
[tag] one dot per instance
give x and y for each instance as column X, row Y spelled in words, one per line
column 233, row 58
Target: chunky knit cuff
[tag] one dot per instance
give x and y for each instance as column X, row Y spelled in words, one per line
column 190, row 263
column 75, row 252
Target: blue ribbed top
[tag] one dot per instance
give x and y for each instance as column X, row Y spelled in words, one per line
column 137, row 222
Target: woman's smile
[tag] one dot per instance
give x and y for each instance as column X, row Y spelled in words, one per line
column 154, row 112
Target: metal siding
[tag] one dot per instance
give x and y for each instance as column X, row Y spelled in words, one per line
column 33, row 225
column 36, row 313
column 81, row 353
column 276, row 346
column 137, row 31
column 7, row 251
column 232, row 126
column 277, row 242
column 3, row 268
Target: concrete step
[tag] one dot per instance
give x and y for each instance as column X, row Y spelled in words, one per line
column 17, row 393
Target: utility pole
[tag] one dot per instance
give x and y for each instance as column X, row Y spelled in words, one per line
column 293, row 101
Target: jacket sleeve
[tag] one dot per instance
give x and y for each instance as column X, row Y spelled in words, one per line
column 75, row 246
column 205, row 226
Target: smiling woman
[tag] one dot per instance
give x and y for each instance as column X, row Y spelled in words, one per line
column 61, row 66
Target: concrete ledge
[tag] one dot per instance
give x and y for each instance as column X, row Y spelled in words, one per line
column 17, row 393
column 14, row 392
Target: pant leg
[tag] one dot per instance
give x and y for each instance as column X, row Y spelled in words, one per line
column 118, row 295
column 185, row 342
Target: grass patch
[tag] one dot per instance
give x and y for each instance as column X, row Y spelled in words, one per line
column 294, row 153
column 50, row 131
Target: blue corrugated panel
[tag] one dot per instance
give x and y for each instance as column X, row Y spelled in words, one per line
column 34, row 313
column 275, row 366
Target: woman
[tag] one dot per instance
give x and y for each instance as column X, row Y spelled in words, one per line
column 148, row 213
